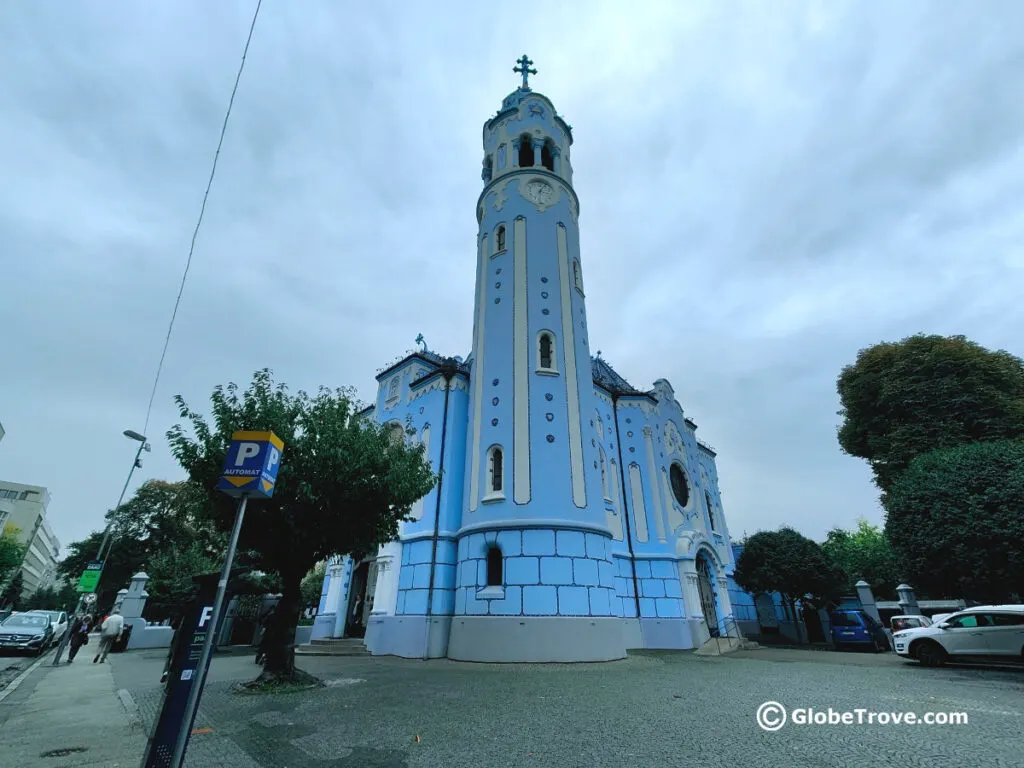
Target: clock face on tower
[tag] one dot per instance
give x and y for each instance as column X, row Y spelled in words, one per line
column 539, row 192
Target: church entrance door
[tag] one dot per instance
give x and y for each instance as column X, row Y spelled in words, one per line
column 707, row 596
column 355, row 626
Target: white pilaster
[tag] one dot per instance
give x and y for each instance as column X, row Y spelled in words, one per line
column 572, row 394
column 652, row 476
column 521, row 358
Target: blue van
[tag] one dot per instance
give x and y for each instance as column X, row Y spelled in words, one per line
column 853, row 628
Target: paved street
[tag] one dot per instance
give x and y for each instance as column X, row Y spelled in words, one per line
column 661, row 709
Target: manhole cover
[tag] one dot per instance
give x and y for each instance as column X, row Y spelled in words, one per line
column 63, row 752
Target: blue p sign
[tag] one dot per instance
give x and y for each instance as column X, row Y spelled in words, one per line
column 250, row 468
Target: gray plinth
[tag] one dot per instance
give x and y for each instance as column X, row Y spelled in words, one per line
column 411, row 637
column 536, row 639
column 671, row 634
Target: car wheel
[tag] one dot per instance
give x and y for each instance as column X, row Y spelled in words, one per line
column 930, row 654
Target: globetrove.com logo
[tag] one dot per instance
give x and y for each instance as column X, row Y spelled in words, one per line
column 772, row 716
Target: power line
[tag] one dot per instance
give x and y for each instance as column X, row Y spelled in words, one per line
column 199, row 222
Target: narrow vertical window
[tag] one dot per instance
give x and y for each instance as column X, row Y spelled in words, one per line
column 495, row 578
column 711, row 509
column 525, row 152
column 495, row 472
column 547, row 157
column 499, row 238
column 545, row 351
column 605, row 489
column 577, row 279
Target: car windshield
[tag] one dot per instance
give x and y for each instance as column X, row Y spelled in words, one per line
column 845, row 620
column 27, row 621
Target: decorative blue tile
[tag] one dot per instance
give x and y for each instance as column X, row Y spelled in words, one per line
column 556, row 570
column 572, row 544
column 597, row 546
column 643, row 569
column 510, row 543
column 668, row 608
column 652, row 587
column 444, row 576
column 673, row 588
column 460, row 602
column 600, row 601
column 647, row 609
column 573, row 601
column 540, row 601
column 512, row 605
column 522, row 570
column 538, row 542
column 405, row 577
column 606, row 573
column 444, row 602
column 585, row 572
column 416, row 602
column 662, row 569
column 421, row 577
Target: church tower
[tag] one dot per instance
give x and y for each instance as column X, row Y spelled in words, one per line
column 535, row 579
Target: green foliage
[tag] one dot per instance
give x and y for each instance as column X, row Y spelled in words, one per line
column 11, row 552
column 313, row 584
column 342, row 488
column 171, row 571
column 957, row 517
column 11, row 596
column 901, row 400
column 161, row 522
column 865, row 553
column 784, row 561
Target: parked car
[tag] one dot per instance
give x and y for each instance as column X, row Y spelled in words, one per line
column 26, row 632
column 899, row 623
column 853, row 628
column 979, row 634
column 59, row 620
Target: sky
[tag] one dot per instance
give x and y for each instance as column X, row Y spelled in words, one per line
column 765, row 189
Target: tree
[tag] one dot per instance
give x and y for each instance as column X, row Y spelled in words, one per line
column 901, row 400
column 11, row 596
column 126, row 558
column 957, row 517
column 864, row 553
column 783, row 561
column 170, row 574
column 312, row 585
column 343, row 487
column 12, row 554
column 161, row 520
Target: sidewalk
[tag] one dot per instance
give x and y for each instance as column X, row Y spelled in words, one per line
column 73, row 717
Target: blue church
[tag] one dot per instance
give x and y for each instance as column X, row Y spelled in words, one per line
column 575, row 516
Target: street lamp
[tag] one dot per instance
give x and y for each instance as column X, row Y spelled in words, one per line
column 143, row 445
column 85, row 599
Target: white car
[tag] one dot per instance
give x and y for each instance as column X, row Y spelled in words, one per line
column 983, row 633
column 59, row 622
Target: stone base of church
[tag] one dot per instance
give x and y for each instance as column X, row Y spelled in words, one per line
column 678, row 634
column 411, row 637
column 632, row 634
column 323, row 626
column 536, row 639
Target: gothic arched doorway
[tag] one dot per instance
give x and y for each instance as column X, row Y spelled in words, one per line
column 706, row 587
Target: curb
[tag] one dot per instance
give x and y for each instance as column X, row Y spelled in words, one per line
column 130, row 708
column 13, row 685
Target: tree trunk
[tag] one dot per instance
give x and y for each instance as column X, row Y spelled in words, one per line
column 279, row 665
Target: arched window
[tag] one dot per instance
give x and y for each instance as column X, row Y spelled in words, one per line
column 499, row 238
column 577, row 278
column 546, row 351
column 525, row 152
column 711, row 509
column 495, row 578
column 393, row 389
column 495, row 471
column 547, row 156
column 396, row 433
column 680, row 487
column 488, row 170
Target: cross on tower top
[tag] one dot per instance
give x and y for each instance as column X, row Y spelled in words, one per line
column 524, row 67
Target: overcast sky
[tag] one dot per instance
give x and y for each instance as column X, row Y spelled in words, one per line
column 765, row 189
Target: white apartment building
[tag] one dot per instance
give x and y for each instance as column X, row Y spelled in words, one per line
column 24, row 507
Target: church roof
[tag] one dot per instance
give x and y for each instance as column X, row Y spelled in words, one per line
column 606, row 376
column 425, row 355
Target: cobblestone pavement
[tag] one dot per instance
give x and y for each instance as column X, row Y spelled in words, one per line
column 653, row 709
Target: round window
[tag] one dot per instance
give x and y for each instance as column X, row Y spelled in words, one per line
column 680, row 488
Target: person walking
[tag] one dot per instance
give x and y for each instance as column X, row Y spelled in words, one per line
column 110, row 631
column 79, row 634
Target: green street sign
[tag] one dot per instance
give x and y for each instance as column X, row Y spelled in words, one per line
column 90, row 578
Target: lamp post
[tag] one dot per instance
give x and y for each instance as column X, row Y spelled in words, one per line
column 143, row 445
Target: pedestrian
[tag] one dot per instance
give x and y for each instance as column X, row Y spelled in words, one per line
column 79, row 634
column 110, row 631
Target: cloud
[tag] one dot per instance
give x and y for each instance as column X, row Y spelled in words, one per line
column 764, row 190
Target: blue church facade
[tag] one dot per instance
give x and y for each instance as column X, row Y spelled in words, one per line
column 575, row 517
